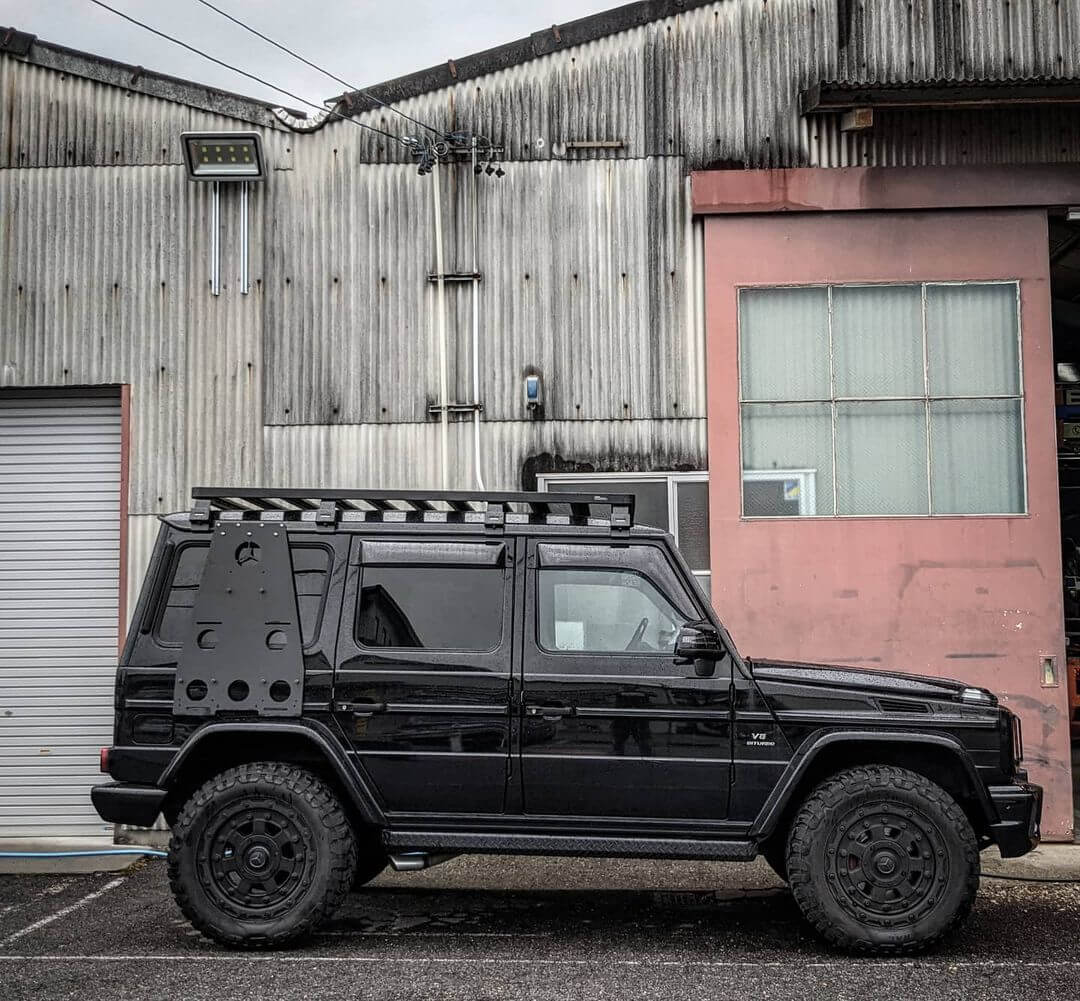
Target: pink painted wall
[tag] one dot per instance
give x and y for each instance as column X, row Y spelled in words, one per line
column 978, row 598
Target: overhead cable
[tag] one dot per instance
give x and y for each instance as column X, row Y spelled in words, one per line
column 251, row 76
column 307, row 62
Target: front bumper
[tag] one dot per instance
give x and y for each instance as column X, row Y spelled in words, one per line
column 126, row 803
column 1019, row 810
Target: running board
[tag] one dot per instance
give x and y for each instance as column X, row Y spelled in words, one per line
column 445, row 842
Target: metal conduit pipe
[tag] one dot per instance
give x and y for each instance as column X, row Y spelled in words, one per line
column 476, row 322
column 440, row 319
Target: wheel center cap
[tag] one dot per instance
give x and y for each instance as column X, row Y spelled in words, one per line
column 257, row 858
column 885, row 863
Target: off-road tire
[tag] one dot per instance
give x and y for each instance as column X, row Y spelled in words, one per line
column 882, row 861
column 267, row 812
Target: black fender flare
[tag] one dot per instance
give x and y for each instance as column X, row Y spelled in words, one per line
column 317, row 734
column 786, row 786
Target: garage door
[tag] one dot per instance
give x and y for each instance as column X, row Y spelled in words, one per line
column 59, row 587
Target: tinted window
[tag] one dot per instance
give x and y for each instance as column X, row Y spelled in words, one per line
column 311, row 573
column 604, row 611
column 188, row 563
column 438, row 608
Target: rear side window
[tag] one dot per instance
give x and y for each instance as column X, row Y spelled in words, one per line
column 187, row 569
column 311, row 574
column 431, row 607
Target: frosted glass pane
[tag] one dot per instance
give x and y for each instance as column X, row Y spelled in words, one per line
column 788, row 450
column 784, row 343
column 977, row 465
column 881, row 458
column 877, row 340
column 971, row 339
column 692, row 502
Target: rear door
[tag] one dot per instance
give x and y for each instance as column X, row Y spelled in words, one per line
column 611, row 725
column 422, row 687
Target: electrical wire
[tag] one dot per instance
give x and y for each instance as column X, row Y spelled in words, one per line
column 308, row 62
column 251, row 76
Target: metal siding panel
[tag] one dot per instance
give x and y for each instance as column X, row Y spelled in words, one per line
column 403, row 456
column 107, row 284
column 57, row 640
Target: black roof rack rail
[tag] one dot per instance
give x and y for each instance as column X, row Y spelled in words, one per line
column 328, row 506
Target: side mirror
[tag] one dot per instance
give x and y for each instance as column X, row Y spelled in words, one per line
column 699, row 643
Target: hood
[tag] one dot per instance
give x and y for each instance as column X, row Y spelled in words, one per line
column 859, row 679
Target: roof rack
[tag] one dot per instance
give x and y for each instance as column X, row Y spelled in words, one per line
column 328, row 507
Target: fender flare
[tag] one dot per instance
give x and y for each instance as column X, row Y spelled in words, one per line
column 780, row 797
column 315, row 733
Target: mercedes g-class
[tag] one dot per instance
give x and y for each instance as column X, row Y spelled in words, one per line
column 317, row 684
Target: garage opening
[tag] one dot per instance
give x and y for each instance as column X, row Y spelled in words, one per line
column 1065, row 293
column 60, row 547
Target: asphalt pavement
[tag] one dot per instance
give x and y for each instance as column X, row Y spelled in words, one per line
column 490, row 928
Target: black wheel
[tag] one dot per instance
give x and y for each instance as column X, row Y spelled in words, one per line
column 881, row 860
column 371, row 857
column 260, row 855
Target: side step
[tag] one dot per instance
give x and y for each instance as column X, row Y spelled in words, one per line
column 457, row 842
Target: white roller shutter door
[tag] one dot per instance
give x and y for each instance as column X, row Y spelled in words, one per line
column 59, row 605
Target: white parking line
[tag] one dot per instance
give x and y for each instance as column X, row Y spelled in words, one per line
column 62, row 913
column 945, row 964
column 431, row 934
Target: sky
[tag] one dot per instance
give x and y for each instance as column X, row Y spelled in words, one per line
column 361, row 41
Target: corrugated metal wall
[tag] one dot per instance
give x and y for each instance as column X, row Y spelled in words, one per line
column 591, row 263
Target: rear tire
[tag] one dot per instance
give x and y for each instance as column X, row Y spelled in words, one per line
column 260, row 855
column 882, row 861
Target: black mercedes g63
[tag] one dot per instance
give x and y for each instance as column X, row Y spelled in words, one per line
column 319, row 684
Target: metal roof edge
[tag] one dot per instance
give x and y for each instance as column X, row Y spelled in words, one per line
column 840, row 95
column 30, row 49
column 522, row 50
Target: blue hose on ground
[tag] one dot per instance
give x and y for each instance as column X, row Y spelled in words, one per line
column 153, row 852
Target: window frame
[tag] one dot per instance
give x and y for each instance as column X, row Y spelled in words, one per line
column 673, row 479
column 927, row 399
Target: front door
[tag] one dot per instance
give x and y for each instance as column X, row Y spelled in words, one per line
column 611, row 726
column 423, row 678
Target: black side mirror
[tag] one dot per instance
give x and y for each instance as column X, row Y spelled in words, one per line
column 699, row 643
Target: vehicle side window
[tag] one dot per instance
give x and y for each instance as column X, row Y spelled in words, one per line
column 432, row 607
column 311, row 574
column 175, row 614
column 604, row 611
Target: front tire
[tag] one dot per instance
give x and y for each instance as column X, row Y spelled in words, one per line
column 260, row 855
column 882, row 861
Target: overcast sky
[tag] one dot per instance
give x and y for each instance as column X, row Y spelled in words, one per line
column 362, row 41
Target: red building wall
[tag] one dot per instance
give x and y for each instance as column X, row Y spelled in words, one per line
column 973, row 597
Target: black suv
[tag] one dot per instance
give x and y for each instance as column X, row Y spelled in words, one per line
column 318, row 684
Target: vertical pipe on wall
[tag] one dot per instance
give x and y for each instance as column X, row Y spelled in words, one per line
column 215, row 238
column 440, row 320
column 476, row 321
column 245, row 285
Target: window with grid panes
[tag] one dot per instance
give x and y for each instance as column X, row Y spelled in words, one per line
column 900, row 399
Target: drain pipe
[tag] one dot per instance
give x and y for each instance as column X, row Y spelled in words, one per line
column 440, row 319
column 476, row 322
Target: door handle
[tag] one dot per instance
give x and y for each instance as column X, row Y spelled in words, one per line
column 362, row 708
column 549, row 713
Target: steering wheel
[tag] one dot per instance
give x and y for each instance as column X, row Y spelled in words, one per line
column 635, row 640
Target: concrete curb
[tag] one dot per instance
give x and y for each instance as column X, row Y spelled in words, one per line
column 27, row 866
column 1046, row 862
